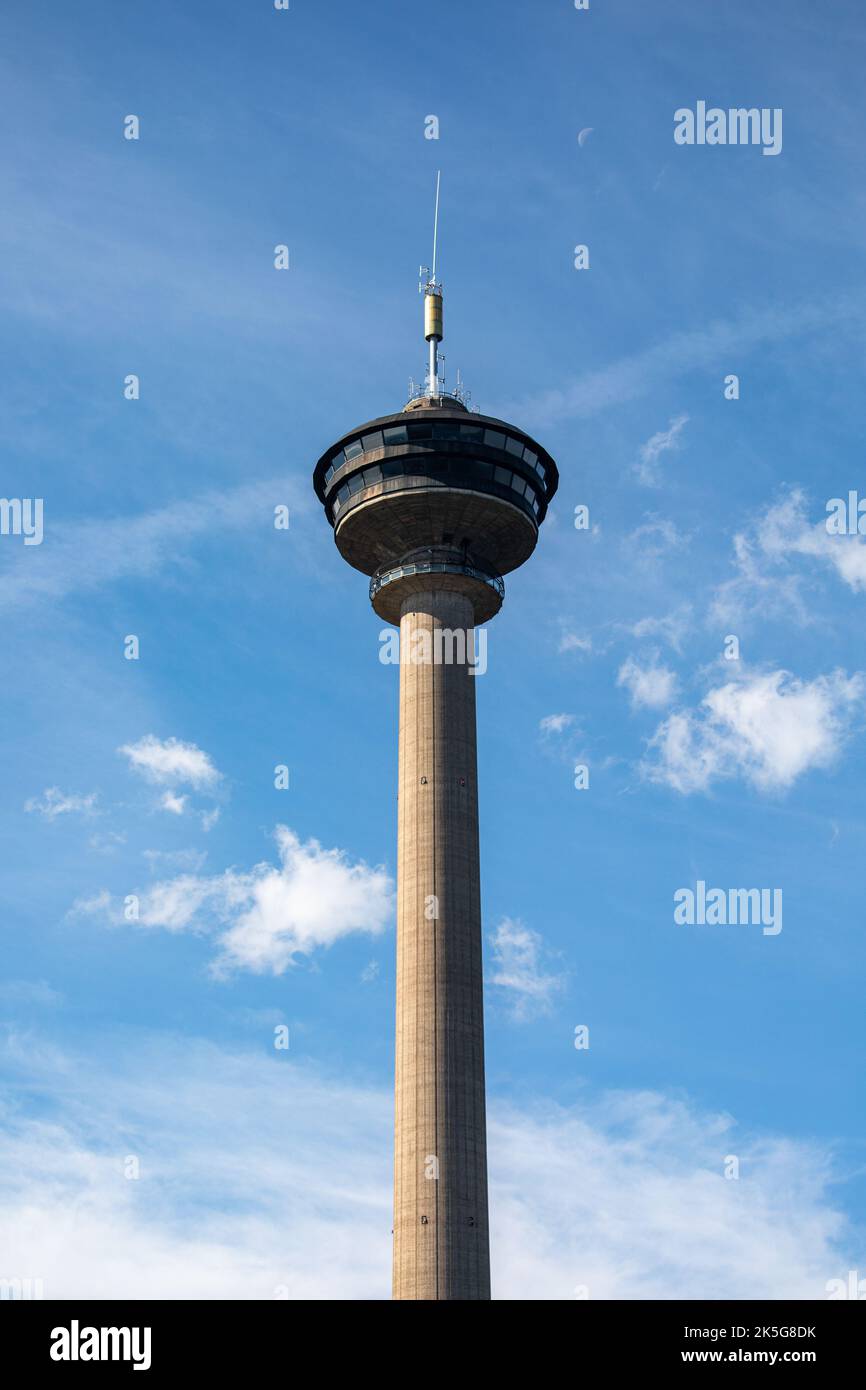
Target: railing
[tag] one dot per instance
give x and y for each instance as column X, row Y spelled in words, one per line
column 420, row 390
column 437, row 564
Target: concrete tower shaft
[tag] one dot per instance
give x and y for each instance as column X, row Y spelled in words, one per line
column 440, row 1144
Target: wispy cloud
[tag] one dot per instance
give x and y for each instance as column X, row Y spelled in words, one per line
column 519, row 971
column 670, row 627
column 646, row 468
column 622, row 1196
column 82, row 555
column 171, row 760
column 192, row 859
column 574, row 642
column 655, row 537
column 54, row 803
column 765, row 556
column 107, row 842
column 634, row 376
column 29, row 992
column 555, row 723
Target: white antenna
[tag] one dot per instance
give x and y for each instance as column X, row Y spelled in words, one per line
column 436, row 223
column 431, row 289
column 433, row 307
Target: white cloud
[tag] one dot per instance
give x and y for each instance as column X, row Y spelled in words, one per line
column 785, row 530
column 172, row 802
column 518, row 954
column 625, row 1196
column 651, row 686
column 624, row 1193
column 192, row 859
column 768, row 728
column 630, row 378
column 107, row 843
column 555, row 723
column 170, row 760
column 85, row 554
column 765, row 556
column 37, row 992
column 56, row 803
column 756, row 588
column 370, row 972
column 264, row 919
column 175, row 903
column 655, row 537
column 98, row 905
column 573, row 642
column 223, row 1206
column 646, row 468
column 671, row 627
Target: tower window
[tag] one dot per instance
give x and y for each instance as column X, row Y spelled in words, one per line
column 354, row 449
column 419, row 430
column 396, row 435
column 503, row 476
column 494, row 439
column 530, row 457
column 372, row 441
column 514, row 446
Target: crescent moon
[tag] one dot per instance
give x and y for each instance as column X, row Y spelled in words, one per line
column 584, row 134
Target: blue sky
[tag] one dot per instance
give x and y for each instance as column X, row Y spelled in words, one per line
column 258, row 647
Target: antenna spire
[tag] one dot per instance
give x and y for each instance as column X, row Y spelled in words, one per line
column 431, row 288
column 433, row 305
column 436, row 221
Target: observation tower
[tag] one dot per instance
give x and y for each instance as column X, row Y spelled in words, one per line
column 436, row 503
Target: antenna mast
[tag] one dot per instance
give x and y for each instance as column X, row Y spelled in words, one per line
column 433, row 305
column 431, row 288
column 436, row 222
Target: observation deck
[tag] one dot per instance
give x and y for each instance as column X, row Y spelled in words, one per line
column 435, row 489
